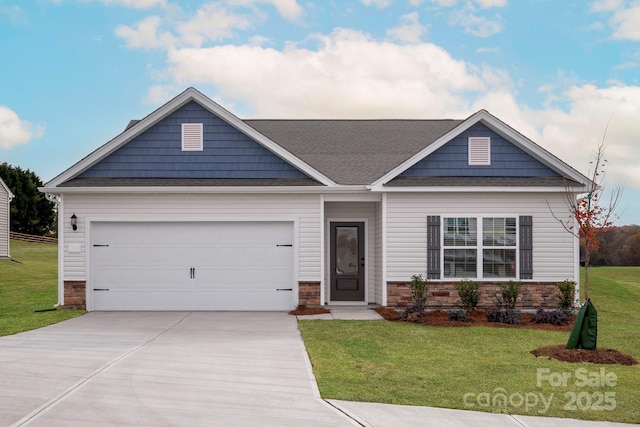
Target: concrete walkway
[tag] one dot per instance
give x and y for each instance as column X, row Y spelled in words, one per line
column 202, row 368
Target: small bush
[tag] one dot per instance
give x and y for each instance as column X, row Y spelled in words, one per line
column 509, row 293
column 505, row 309
column 566, row 296
column 419, row 290
column 552, row 317
column 459, row 316
column 469, row 294
column 498, row 314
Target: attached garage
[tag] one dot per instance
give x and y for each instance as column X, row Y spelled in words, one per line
column 192, row 266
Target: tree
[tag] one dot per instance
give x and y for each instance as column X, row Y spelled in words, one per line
column 31, row 212
column 590, row 215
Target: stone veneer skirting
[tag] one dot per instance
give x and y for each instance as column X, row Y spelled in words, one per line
column 533, row 295
column 309, row 293
column 75, row 295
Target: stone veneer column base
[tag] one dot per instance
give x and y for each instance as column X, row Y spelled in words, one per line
column 75, row 294
column 309, row 294
column 443, row 295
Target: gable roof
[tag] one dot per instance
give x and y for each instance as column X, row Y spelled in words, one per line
column 353, row 152
column 6, row 188
column 332, row 152
column 498, row 126
column 134, row 129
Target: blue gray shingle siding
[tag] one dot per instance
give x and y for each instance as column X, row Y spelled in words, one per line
column 451, row 160
column 227, row 153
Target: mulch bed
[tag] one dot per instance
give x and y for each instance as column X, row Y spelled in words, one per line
column 605, row 357
column 441, row 318
column 302, row 310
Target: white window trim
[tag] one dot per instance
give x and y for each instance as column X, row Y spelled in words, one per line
column 479, row 248
column 477, row 143
column 195, row 144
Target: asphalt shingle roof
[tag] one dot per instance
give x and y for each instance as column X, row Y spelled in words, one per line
column 353, row 151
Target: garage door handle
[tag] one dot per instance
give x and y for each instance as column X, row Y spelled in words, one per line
column 100, row 289
column 284, row 289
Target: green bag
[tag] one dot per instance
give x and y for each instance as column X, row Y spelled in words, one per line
column 585, row 332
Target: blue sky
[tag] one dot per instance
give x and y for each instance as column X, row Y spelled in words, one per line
column 73, row 72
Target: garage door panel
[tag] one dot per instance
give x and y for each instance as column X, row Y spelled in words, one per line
column 192, row 266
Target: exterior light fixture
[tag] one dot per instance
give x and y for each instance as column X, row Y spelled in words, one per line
column 74, row 222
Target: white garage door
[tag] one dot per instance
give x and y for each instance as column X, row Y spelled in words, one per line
column 192, row 266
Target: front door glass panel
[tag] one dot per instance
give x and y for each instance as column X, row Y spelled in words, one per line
column 346, row 261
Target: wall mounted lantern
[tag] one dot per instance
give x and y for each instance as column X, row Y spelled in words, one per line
column 74, row 222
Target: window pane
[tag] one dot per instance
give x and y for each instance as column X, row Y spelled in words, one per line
column 460, row 263
column 499, row 231
column 460, row 231
column 499, row 263
column 346, row 250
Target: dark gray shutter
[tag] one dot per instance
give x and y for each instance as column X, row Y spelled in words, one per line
column 433, row 247
column 526, row 247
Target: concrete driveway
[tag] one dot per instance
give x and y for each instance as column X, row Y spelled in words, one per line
column 162, row 368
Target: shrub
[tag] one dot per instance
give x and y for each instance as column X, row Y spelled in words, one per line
column 552, row 317
column 469, row 294
column 499, row 314
column 509, row 294
column 505, row 309
column 419, row 290
column 565, row 298
column 459, row 316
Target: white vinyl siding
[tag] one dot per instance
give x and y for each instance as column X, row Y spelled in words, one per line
column 303, row 208
column 354, row 211
column 4, row 223
column 553, row 247
column 479, row 151
column 192, row 137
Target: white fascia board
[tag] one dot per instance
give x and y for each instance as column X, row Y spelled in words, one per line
column 185, row 97
column 354, row 189
column 9, row 193
column 468, row 189
column 497, row 126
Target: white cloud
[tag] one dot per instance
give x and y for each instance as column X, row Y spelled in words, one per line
column 378, row 3
column 134, row 4
column 491, row 3
column 485, row 4
column 349, row 75
column 15, row 131
column 212, row 22
column 473, row 24
column 410, row 30
column 143, row 34
column 288, row 9
column 15, row 14
column 606, row 5
column 626, row 23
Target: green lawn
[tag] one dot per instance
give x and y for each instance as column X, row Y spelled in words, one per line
column 27, row 285
column 379, row 361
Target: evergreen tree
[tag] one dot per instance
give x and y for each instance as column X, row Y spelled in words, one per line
column 31, row 212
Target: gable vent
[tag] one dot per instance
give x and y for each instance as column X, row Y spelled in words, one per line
column 479, row 151
column 192, row 137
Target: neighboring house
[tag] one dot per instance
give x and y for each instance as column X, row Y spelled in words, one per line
column 5, row 219
column 192, row 208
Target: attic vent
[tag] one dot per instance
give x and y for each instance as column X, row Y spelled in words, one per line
column 192, row 137
column 479, row 151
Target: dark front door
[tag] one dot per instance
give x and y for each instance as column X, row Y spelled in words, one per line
column 347, row 261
